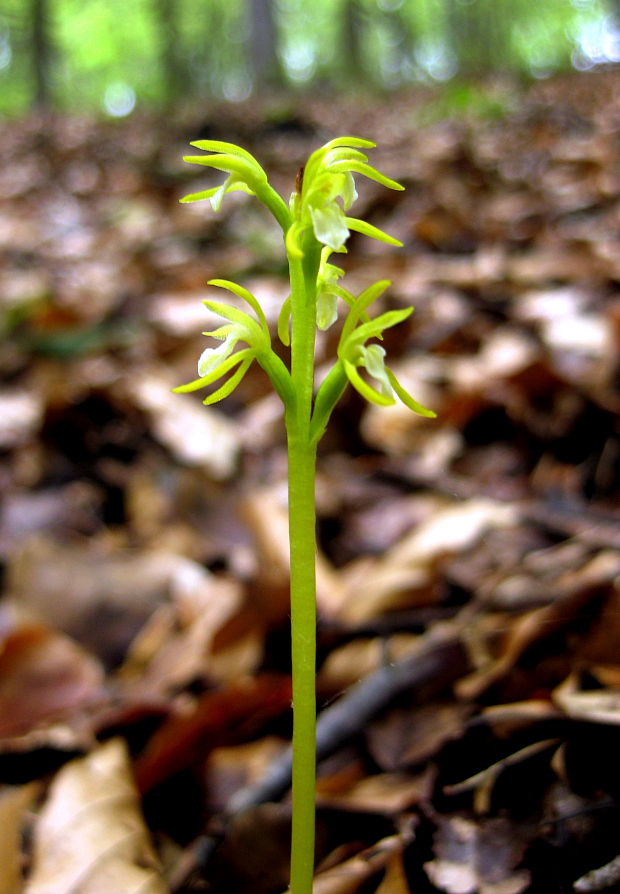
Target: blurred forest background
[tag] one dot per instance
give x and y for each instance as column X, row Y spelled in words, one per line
column 113, row 55
column 468, row 566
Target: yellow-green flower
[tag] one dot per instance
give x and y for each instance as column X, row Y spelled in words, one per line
column 353, row 353
column 327, row 191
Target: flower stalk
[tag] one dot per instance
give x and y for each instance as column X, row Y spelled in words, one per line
column 314, row 225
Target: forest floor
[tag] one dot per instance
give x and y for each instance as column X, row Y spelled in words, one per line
column 469, row 658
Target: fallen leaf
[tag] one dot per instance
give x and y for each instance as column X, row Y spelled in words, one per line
column 14, row 802
column 591, row 705
column 349, row 876
column 388, row 583
column 194, row 434
column 44, row 677
column 477, row 857
column 218, row 718
column 90, row 837
column 20, row 416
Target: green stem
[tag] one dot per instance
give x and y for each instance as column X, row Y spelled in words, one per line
column 302, row 536
column 301, row 468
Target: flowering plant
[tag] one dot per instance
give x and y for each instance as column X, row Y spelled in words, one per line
column 314, row 224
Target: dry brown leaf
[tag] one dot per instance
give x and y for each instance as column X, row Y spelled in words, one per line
column 389, row 582
column 349, row 876
column 176, row 645
column 90, row 837
column 395, row 879
column 347, row 664
column 591, row 705
column 384, row 793
column 477, row 857
column 20, row 416
column 44, row 677
column 14, row 802
column 194, row 434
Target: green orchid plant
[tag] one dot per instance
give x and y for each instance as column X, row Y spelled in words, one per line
column 315, row 224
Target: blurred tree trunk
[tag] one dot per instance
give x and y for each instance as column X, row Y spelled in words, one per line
column 480, row 34
column 41, row 52
column 171, row 59
column 266, row 68
column 402, row 45
column 352, row 28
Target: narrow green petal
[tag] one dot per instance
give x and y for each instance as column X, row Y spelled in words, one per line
column 237, row 316
column 360, row 226
column 229, row 386
column 375, row 328
column 230, row 164
column 358, row 308
column 220, row 146
column 199, row 196
column 407, row 399
column 364, row 388
column 244, row 294
column 366, row 171
column 216, row 373
column 343, row 153
column 350, row 141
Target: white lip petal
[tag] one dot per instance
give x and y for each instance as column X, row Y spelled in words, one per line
column 329, row 226
column 373, row 359
column 211, row 357
column 326, row 310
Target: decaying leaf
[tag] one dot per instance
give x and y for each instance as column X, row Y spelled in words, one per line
column 90, row 837
column 477, row 857
column 45, row 678
column 196, row 435
column 393, row 581
column 350, row 875
column 14, row 802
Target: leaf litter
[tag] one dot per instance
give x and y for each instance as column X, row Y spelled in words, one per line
column 468, row 566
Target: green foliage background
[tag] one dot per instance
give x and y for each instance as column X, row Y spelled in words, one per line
column 97, row 47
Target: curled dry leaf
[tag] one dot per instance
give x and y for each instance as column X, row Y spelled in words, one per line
column 44, row 677
column 590, row 705
column 90, row 837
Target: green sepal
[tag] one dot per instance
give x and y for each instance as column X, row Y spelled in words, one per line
column 360, row 226
column 236, row 186
column 236, row 316
column 245, row 295
column 229, row 164
column 366, row 171
column 220, row 146
column 220, row 370
column 375, row 327
column 366, row 390
column 229, row 386
column 407, row 399
column 364, row 300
